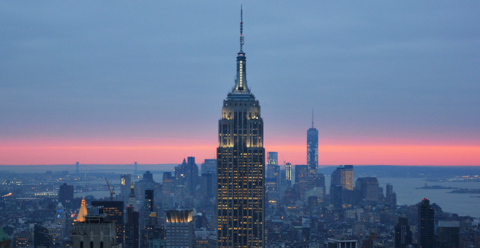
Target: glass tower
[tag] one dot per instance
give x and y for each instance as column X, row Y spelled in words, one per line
column 241, row 166
column 312, row 147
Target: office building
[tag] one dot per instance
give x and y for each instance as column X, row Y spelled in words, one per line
column 132, row 227
column 241, row 166
column 367, row 189
column 147, row 209
column 312, row 147
column 135, row 170
column 426, row 225
column 288, row 172
column 272, row 158
column 209, row 166
column 179, row 228
column 125, row 185
column 403, row 235
column 390, row 197
column 77, row 168
column 272, row 161
column 343, row 176
column 208, row 185
column 167, row 189
column 192, row 175
column 115, row 213
column 65, row 193
column 96, row 231
column 448, row 234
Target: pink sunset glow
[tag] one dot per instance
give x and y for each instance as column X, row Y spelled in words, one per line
column 168, row 151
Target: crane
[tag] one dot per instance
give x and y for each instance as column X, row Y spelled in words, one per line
column 112, row 192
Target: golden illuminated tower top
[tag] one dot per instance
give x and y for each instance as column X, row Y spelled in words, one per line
column 82, row 212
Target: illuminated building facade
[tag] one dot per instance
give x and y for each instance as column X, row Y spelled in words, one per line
column 288, row 172
column 241, row 166
column 179, row 228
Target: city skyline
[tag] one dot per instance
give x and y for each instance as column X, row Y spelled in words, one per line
column 391, row 85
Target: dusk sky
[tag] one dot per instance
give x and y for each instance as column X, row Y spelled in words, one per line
column 391, row 82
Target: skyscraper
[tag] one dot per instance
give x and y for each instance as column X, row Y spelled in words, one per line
column 179, row 228
column 115, row 213
column 288, row 172
column 240, row 161
column 65, row 193
column 209, row 166
column 312, row 147
column 77, row 168
column 272, row 161
column 125, row 183
column 391, row 197
column 426, row 224
column 367, row 189
column 132, row 228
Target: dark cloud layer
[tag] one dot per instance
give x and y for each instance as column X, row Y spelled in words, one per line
column 400, row 70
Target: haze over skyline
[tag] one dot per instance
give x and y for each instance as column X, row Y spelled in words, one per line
column 391, row 82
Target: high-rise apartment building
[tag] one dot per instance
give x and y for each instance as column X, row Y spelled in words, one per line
column 241, row 165
column 312, row 147
column 179, row 228
column 426, row 225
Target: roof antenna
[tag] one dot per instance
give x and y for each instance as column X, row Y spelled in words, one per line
column 312, row 117
column 241, row 28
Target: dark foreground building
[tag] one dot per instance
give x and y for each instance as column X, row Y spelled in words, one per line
column 241, row 165
column 115, row 213
column 426, row 224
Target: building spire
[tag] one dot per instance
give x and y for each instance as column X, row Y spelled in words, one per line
column 312, row 117
column 241, row 89
column 241, row 28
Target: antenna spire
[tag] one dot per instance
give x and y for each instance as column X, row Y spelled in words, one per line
column 312, row 117
column 241, row 28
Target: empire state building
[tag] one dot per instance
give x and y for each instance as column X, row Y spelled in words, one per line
column 241, row 165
